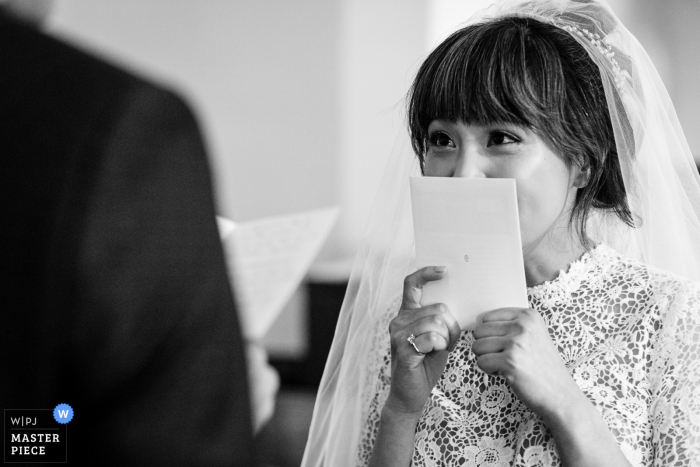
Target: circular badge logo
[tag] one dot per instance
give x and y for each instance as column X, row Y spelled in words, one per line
column 63, row 413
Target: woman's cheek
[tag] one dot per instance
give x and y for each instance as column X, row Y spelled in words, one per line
column 524, row 214
column 533, row 215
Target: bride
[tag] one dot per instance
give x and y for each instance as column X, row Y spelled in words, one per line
column 603, row 368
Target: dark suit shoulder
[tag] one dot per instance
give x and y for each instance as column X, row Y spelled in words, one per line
column 55, row 96
column 37, row 62
column 52, row 88
column 58, row 107
column 63, row 112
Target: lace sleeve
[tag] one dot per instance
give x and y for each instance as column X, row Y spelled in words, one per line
column 675, row 381
column 381, row 384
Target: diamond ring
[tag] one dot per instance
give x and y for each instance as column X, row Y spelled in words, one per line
column 412, row 340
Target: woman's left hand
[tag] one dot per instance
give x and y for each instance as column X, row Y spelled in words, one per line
column 514, row 343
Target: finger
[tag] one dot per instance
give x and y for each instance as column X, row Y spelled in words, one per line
column 429, row 342
column 408, row 317
column 489, row 345
column 413, row 284
column 491, row 329
column 436, row 317
column 415, row 321
column 454, row 329
column 491, row 363
column 502, row 314
column 442, row 316
column 434, row 322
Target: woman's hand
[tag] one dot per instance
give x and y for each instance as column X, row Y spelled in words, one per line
column 413, row 374
column 436, row 332
column 514, row 343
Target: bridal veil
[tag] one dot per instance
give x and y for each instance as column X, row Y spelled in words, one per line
column 663, row 194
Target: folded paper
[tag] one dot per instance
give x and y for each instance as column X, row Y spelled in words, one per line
column 472, row 227
column 268, row 258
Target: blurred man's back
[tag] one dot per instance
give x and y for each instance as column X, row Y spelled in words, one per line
column 115, row 297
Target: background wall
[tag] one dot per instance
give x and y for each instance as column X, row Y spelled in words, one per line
column 300, row 99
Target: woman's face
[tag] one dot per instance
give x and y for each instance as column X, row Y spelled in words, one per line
column 545, row 184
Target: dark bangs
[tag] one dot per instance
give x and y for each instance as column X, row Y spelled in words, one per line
column 525, row 72
column 501, row 71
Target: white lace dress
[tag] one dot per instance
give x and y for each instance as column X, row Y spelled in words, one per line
column 629, row 335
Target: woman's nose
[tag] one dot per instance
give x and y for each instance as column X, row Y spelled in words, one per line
column 468, row 165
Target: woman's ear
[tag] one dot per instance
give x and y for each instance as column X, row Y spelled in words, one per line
column 581, row 176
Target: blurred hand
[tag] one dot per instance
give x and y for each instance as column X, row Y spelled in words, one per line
column 436, row 333
column 514, row 343
column 264, row 382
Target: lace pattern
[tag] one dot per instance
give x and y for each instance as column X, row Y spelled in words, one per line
column 612, row 320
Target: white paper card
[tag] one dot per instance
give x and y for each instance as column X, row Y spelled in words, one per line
column 471, row 226
column 268, row 258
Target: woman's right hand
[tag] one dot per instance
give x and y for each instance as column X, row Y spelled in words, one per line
column 436, row 333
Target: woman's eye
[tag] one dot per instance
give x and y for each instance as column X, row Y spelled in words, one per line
column 498, row 138
column 441, row 140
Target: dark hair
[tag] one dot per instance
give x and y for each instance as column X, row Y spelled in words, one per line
column 523, row 71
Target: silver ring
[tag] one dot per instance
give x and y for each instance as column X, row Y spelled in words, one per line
column 412, row 340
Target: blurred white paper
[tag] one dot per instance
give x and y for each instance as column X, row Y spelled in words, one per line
column 267, row 260
column 471, row 226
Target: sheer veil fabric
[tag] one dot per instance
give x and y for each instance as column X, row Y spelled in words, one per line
column 663, row 191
